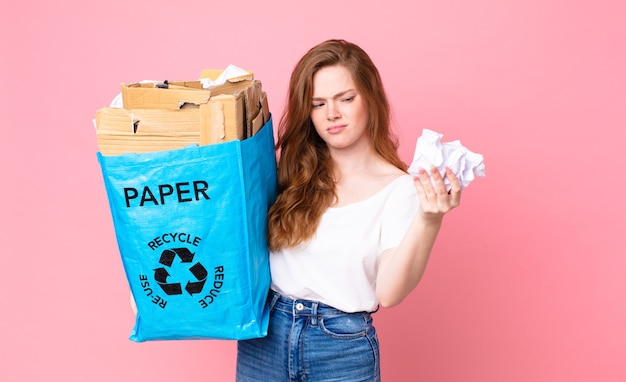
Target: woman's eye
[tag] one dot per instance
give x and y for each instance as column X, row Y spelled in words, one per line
column 316, row 105
column 348, row 99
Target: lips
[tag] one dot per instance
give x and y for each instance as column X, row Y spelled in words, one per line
column 335, row 129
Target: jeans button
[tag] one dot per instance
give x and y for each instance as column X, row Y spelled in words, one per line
column 299, row 307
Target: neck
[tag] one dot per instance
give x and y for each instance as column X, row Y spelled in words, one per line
column 355, row 160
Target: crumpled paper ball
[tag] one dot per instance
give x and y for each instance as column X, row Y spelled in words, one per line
column 430, row 151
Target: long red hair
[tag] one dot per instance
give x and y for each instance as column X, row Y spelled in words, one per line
column 305, row 168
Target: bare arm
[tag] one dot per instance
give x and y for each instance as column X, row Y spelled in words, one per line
column 401, row 268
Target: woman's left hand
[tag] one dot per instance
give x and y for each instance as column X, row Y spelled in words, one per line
column 435, row 201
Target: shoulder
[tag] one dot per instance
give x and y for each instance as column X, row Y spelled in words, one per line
column 401, row 201
column 386, row 173
column 404, row 185
column 398, row 191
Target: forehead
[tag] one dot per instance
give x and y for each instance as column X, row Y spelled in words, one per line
column 332, row 80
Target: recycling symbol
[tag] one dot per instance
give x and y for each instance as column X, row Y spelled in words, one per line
column 186, row 257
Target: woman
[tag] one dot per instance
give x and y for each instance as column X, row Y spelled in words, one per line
column 350, row 230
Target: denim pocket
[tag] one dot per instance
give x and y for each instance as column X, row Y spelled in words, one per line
column 346, row 326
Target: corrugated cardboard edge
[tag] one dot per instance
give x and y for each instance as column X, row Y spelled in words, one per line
column 212, row 74
column 224, row 115
column 121, row 131
column 147, row 96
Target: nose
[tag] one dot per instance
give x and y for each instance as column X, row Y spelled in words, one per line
column 332, row 112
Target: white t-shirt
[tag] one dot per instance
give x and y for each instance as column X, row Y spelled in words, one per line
column 338, row 266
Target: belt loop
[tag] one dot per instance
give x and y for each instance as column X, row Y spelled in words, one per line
column 275, row 296
column 314, row 314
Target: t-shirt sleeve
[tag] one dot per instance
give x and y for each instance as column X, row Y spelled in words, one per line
column 400, row 208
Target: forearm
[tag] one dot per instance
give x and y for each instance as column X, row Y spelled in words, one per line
column 401, row 268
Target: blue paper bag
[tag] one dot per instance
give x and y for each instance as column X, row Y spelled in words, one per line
column 191, row 229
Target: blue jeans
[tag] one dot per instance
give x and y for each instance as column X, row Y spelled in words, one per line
column 310, row 341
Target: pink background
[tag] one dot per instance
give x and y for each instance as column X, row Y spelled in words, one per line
column 528, row 279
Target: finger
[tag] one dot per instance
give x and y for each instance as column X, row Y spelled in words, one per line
column 421, row 193
column 427, row 184
column 455, row 188
column 426, row 205
column 438, row 183
column 455, row 184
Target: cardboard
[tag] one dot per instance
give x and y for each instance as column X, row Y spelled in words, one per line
column 265, row 110
column 223, row 119
column 213, row 74
column 251, row 91
column 151, row 96
column 121, row 131
column 170, row 115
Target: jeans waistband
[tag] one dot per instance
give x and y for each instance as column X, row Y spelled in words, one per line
column 299, row 307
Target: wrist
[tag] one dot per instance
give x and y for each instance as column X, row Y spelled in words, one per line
column 430, row 218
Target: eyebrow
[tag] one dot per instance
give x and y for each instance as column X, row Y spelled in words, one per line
column 338, row 95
